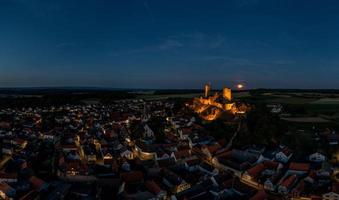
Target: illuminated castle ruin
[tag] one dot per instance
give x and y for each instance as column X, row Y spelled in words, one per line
column 207, row 89
column 227, row 94
column 210, row 107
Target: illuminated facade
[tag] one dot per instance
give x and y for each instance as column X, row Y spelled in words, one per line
column 207, row 90
column 227, row 94
column 211, row 107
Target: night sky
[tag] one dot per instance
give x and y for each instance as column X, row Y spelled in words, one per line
column 169, row 44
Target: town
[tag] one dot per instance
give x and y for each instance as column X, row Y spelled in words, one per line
column 155, row 149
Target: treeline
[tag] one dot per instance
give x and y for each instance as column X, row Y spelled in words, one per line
column 58, row 98
column 321, row 91
column 178, row 91
column 57, row 90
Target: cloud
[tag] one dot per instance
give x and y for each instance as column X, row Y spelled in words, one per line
column 185, row 41
column 170, row 44
column 247, row 61
column 218, row 42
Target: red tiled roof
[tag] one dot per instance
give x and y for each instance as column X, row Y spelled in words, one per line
column 256, row 170
column 213, row 148
column 270, row 164
column 132, row 177
column 260, row 195
column 4, row 187
column 5, row 125
column 299, row 188
column 186, row 131
column 19, row 140
column 61, row 160
column 299, row 166
column 312, row 174
column 222, row 142
column 182, row 154
column 335, row 188
column 289, row 181
column 287, row 151
column 30, row 195
column 4, row 175
column 36, row 182
column 314, row 197
column 196, row 150
column 152, row 187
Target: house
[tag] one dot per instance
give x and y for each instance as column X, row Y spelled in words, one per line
column 262, row 173
column 298, row 168
column 145, row 151
column 154, row 188
column 298, row 190
column 284, row 155
column 330, row 196
column 68, row 147
column 7, row 149
column 287, row 184
column 317, row 157
column 6, row 191
column 8, row 177
column 181, row 155
column 253, row 173
column 333, row 139
column 208, row 169
column 148, row 133
column 275, row 108
column 166, row 162
column 75, row 167
column 260, row 195
column 37, row 183
column 192, row 164
column 210, row 150
column 92, row 158
column 174, row 182
column 5, row 125
column 235, row 160
column 160, row 155
column 57, row 192
column 133, row 177
column 256, row 149
column 108, row 156
column 196, row 192
column 127, row 154
column 333, row 194
column 31, row 195
column 271, row 182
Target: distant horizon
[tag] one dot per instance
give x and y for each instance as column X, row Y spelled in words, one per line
column 117, row 88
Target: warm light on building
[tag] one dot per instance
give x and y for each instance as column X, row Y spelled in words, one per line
column 227, row 94
column 207, row 89
column 211, row 107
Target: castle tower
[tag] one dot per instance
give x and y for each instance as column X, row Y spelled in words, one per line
column 207, row 89
column 227, row 94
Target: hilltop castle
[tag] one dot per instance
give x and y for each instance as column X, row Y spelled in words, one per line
column 210, row 107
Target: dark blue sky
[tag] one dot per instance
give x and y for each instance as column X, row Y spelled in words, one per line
column 169, row 44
